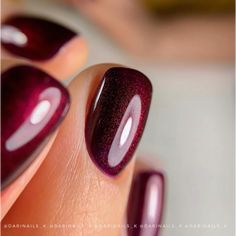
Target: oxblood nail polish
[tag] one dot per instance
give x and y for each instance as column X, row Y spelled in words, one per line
column 117, row 118
column 33, row 104
column 145, row 204
column 33, row 38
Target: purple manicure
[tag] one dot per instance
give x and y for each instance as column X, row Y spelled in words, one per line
column 145, row 205
column 33, row 38
column 33, row 104
column 117, row 118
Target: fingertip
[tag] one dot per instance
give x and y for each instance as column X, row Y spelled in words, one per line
column 68, row 60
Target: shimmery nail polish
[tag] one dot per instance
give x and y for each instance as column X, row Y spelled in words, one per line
column 33, row 38
column 33, row 104
column 117, row 118
column 145, row 204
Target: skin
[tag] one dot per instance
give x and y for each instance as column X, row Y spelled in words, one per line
column 63, row 185
column 72, row 55
column 185, row 38
column 67, row 186
column 11, row 193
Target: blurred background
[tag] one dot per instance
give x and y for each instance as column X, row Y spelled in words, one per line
column 187, row 50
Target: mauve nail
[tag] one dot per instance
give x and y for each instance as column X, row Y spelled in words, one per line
column 145, row 204
column 117, row 118
column 33, row 104
column 33, row 38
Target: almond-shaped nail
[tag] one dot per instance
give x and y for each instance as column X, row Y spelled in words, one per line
column 33, row 104
column 117, row 117
column 145, row 204
column 33, row 38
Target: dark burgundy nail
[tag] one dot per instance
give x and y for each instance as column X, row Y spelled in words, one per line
column 33, row 105
column 145, row 204
column 33, row 38
column 117, row 118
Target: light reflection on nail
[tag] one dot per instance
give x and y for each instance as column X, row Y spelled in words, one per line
column 40, row 112
column 10, row 34
column 38, row 119
column 126, row 132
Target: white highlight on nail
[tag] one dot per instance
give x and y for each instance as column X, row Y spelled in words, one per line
column 10, row 34
column 99, row 94
column 126, row 131
column 40, row 112
column 152, row 204
column 37, row 119
column 153, row 200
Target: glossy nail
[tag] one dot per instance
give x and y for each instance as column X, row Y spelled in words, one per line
column 117, row 118
column 33, row 38
column 145, row 205
column 33, row 104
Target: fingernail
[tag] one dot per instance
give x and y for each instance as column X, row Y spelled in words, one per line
column 33, row 105
column 33, row 38
column 117, row 118
column 145, row 204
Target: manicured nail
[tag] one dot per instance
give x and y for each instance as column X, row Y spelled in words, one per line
column 117, row 118
column 145, row 205
column 33, row 105
column 33, row 38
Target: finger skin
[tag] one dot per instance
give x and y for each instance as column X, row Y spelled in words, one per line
column 68, row 60
column 12, row 192
column 147, row 162
column 74, row 53
column 65, row 63
column 69, row 188
column 166, row 40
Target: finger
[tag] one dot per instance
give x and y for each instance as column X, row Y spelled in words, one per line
column 52, row 46
column 148, row 162
column 146, row 200
column 81, row 187
column 33, row 104
column 166, row 39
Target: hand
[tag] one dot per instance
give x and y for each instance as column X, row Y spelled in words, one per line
column 79, row 171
